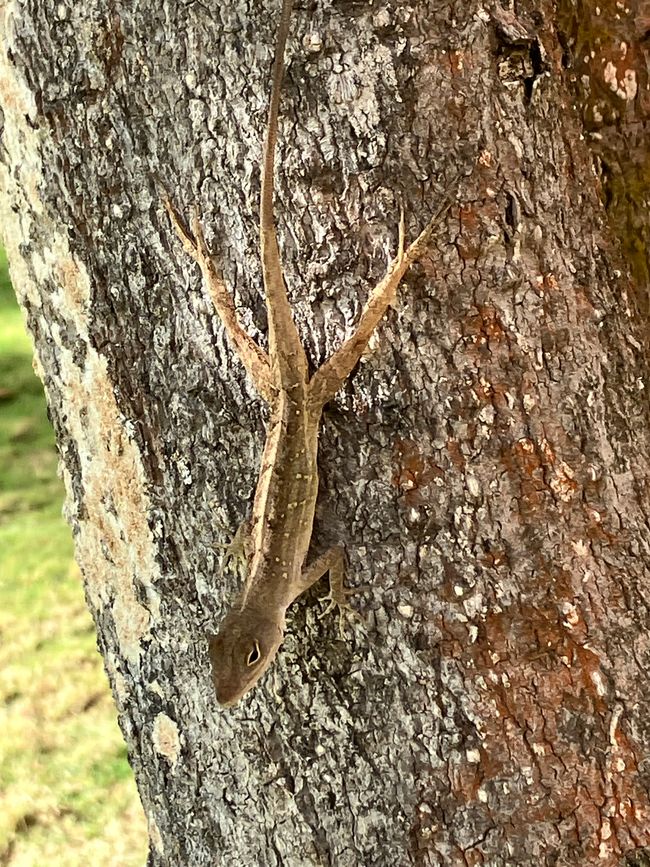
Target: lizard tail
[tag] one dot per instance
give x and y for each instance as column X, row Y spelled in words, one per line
column 266, row 203
column 287, row 356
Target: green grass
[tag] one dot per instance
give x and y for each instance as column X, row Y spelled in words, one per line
column 67, row 795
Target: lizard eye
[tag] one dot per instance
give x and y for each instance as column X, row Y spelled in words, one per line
column 254, row 654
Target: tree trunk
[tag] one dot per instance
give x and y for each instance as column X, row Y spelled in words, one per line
column 486, row 468
column 606, row 51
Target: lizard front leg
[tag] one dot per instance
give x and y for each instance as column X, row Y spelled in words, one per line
column 332, row 561
column 238, row 551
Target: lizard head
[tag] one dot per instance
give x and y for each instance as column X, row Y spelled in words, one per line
column 241, row 652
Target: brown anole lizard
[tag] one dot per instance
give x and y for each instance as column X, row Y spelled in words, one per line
column 280, row 528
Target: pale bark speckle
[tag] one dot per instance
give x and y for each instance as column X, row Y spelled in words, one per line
column 166, row 737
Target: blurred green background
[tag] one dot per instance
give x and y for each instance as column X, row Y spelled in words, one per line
column 67, row 795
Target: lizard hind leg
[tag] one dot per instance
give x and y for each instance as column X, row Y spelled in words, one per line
column 254, row 359
column 332, row 374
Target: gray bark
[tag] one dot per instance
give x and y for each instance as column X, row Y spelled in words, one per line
column 486, row 467
column 606, row 52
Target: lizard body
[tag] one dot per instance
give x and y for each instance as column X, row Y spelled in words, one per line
column 281, row 523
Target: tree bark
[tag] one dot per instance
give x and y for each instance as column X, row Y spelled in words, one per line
column 606, row 51
column 486, row 468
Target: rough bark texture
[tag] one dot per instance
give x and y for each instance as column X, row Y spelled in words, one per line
column 606, row 50
column 486, row 468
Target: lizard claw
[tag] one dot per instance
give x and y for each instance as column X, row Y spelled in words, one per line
column 338, row 598
column 235, row 551
column 233, row 556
